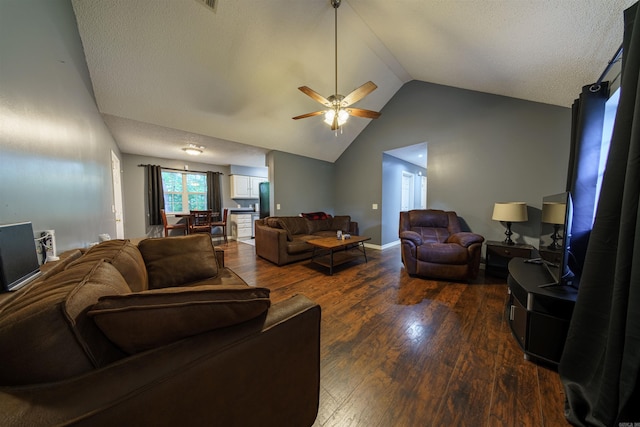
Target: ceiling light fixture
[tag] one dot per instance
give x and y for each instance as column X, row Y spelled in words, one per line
column 194, row 150
column 338, row 113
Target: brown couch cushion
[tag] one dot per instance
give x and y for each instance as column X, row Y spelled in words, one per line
column 124, row 256
column 294, row 225
column 52, row 268
column 341, row 223
column 178, row 261
column 273, row 222
column 45, row 334
column 145, row 320
column 320, row 225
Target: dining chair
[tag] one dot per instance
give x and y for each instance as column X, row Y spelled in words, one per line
column 200, row 222
column 168, row 227
column 221, row 224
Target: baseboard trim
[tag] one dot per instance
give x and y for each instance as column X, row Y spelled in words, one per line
column 382, row 247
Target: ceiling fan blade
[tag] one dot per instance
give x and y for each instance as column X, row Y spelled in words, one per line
column 358, row 93
column 359, row 112
column 304, row 116
column 315, row 95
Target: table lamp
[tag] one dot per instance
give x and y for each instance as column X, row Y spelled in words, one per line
column 510, row 212
column 554, row 213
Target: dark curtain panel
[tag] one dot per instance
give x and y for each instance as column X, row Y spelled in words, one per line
column 586, row 133
column 600, row 365
column 155, row 194
column 214, row 191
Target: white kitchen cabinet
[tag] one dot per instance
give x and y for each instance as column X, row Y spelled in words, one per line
column 241, row 225
column 245, row 187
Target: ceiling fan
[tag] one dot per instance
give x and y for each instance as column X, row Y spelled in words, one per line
column 338, row 105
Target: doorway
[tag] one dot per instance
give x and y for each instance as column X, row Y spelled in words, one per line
column 407, row 191
column 116, row 208
column 404, row 187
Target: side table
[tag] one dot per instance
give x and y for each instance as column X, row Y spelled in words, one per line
column 498, row 255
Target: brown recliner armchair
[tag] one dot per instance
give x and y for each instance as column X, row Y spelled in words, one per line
column 434, row 246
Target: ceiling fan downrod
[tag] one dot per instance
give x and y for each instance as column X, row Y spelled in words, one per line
column 336, row 101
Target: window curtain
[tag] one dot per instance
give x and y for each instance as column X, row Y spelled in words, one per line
column 155, row 194
column 600, row 365
column 586, row 138
column 214, row 191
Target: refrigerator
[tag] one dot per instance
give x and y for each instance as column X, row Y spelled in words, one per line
column 263, row 194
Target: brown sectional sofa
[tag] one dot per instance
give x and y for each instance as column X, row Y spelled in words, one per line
column 155, row 334
column 283, row 239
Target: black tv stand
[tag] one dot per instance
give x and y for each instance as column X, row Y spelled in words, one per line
column 539, row 314
column 540, row 261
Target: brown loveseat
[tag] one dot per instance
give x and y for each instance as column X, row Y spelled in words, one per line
column 155, row 335
column 434, row 246
column 283, row 239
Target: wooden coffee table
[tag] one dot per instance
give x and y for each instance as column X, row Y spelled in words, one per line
column 338, row 253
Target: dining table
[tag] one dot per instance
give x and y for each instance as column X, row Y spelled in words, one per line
column 189, row 215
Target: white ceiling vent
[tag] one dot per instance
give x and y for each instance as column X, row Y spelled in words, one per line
column 211, row 4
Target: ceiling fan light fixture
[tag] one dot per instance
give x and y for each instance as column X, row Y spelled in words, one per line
column 337, row 103
column 343, row 116
column 194, row 150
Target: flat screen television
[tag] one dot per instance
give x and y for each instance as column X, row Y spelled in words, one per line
column 18, row 257
column 555, row 238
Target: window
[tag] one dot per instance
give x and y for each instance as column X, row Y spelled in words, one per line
column 611, row 108
column 184, row 191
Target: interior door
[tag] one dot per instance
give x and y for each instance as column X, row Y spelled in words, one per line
column 116, row 208
column 407, row 191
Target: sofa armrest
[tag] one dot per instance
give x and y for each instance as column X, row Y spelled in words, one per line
column 465, row 239
column 261, row 372
column 271, row 243
column 412, row 236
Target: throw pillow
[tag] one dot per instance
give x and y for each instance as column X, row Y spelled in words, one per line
column 124, row 256
column 145, row 320
column 315, row 215
column 178, row 261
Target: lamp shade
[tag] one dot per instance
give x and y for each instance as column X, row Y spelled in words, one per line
column 510, row 212
column 553, row 213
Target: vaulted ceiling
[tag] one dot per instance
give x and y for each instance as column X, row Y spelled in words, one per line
column 167, row 73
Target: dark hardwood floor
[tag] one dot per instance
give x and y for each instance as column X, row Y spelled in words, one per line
column 403, row 351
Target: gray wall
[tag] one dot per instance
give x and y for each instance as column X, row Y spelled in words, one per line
column 482, row 149
column 301, row 184
column 55, row 150
column 136, row 217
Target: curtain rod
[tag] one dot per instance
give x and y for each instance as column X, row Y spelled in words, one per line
column 182, row 170
column 615, row 59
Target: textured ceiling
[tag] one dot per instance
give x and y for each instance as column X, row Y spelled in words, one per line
column 171, row 72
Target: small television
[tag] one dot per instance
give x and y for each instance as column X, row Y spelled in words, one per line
column 18, row 257
column 555, row 238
